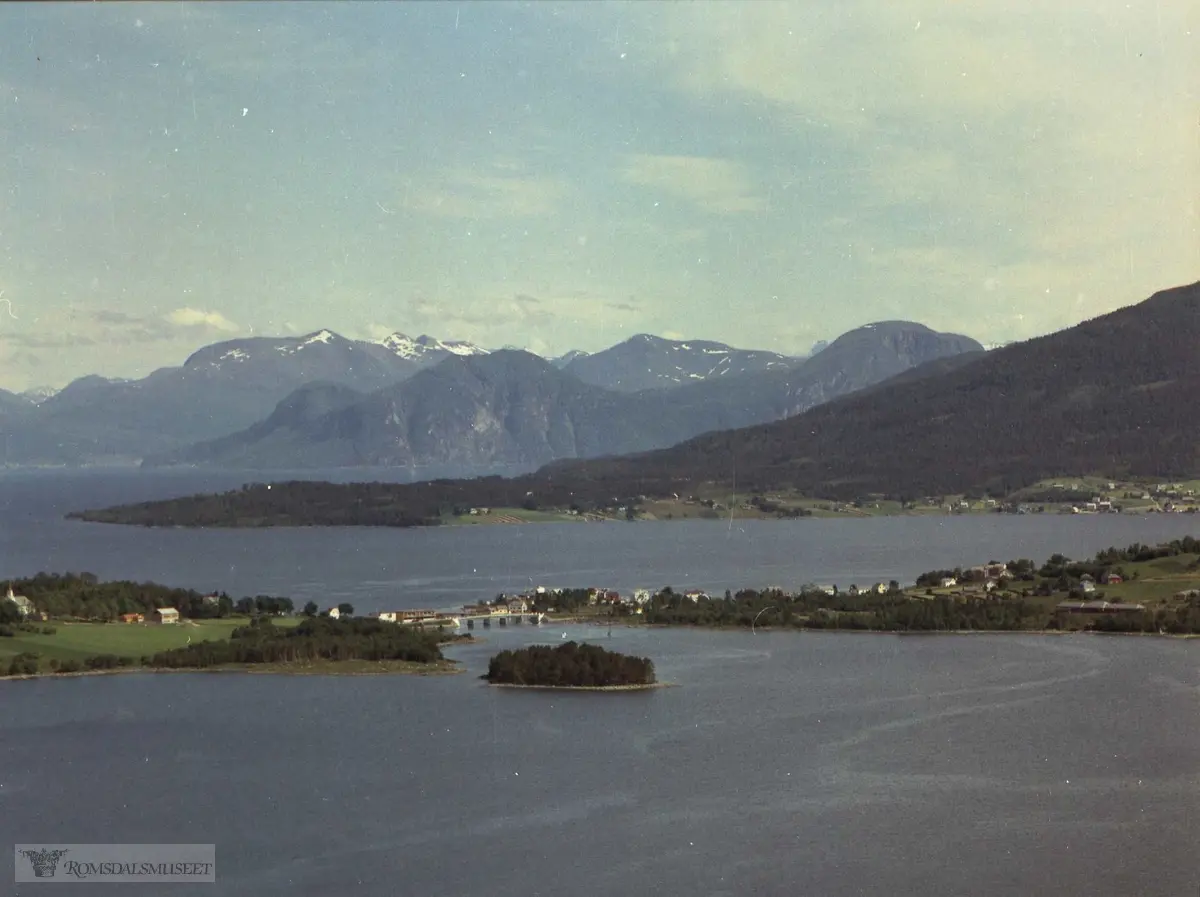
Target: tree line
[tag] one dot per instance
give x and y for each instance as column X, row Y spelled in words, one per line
column 314, row 639
column 82, row 596
column 891, row 611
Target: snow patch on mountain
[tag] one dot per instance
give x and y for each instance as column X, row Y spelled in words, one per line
column 416, row 349
column 321, row 336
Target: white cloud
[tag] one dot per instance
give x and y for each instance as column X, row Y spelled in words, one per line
column 1056, row 142
column 194, row 317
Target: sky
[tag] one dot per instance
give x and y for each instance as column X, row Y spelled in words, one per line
column 563, row 176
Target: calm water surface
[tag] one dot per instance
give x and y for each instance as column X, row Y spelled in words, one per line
column 784, row 763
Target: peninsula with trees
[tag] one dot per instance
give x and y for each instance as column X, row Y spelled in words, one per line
column 75, row 623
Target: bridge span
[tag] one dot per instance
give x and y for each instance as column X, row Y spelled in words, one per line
column 458, row 620
column 535, row 619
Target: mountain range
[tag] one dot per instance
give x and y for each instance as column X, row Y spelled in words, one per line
column 511, row 411
column 322, row 400
column 1113, row 396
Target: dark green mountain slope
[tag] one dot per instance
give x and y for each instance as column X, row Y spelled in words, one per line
column 1115, row 395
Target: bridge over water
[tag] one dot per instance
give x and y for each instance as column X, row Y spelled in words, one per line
column 503, row 619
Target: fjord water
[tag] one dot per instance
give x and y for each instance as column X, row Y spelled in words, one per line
column 783, row 763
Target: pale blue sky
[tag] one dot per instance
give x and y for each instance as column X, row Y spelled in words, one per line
column 565, row 175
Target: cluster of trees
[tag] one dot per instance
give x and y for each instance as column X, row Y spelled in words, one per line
column 569, row 664
column 1137, row 552
column 314, row 639
column 1021, row 569
column 83, row 596
column 264, row 604
column 939, row 614
column 23, row 664
column 565, row 602
column 892, row 611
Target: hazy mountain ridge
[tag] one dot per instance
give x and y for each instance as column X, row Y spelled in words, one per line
column 512, row 410
column 651, row 362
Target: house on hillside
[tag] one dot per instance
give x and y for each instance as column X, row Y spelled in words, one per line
column 165, row 616
column 1111, row 579
column 948, row 582
column 133, row 618
column 334, row 613
column 24, row 605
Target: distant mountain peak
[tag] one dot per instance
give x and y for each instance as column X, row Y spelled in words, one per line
column 321, row 336
column 39, row 394
column 405, row 346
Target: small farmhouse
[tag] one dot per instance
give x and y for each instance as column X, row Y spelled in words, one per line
column 165, row 616
column 133, row 618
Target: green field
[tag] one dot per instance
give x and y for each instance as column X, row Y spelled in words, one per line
column 78, row 641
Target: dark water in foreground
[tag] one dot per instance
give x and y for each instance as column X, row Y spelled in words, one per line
column 784, row 763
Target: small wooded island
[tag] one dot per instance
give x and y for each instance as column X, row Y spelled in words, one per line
column 572, row 666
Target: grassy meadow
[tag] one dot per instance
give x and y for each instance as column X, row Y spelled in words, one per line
column 78, row 641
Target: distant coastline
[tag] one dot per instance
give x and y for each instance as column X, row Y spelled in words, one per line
column 496, row 501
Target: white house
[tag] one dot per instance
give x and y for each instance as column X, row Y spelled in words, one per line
column 24, row 605
column 334, row 613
